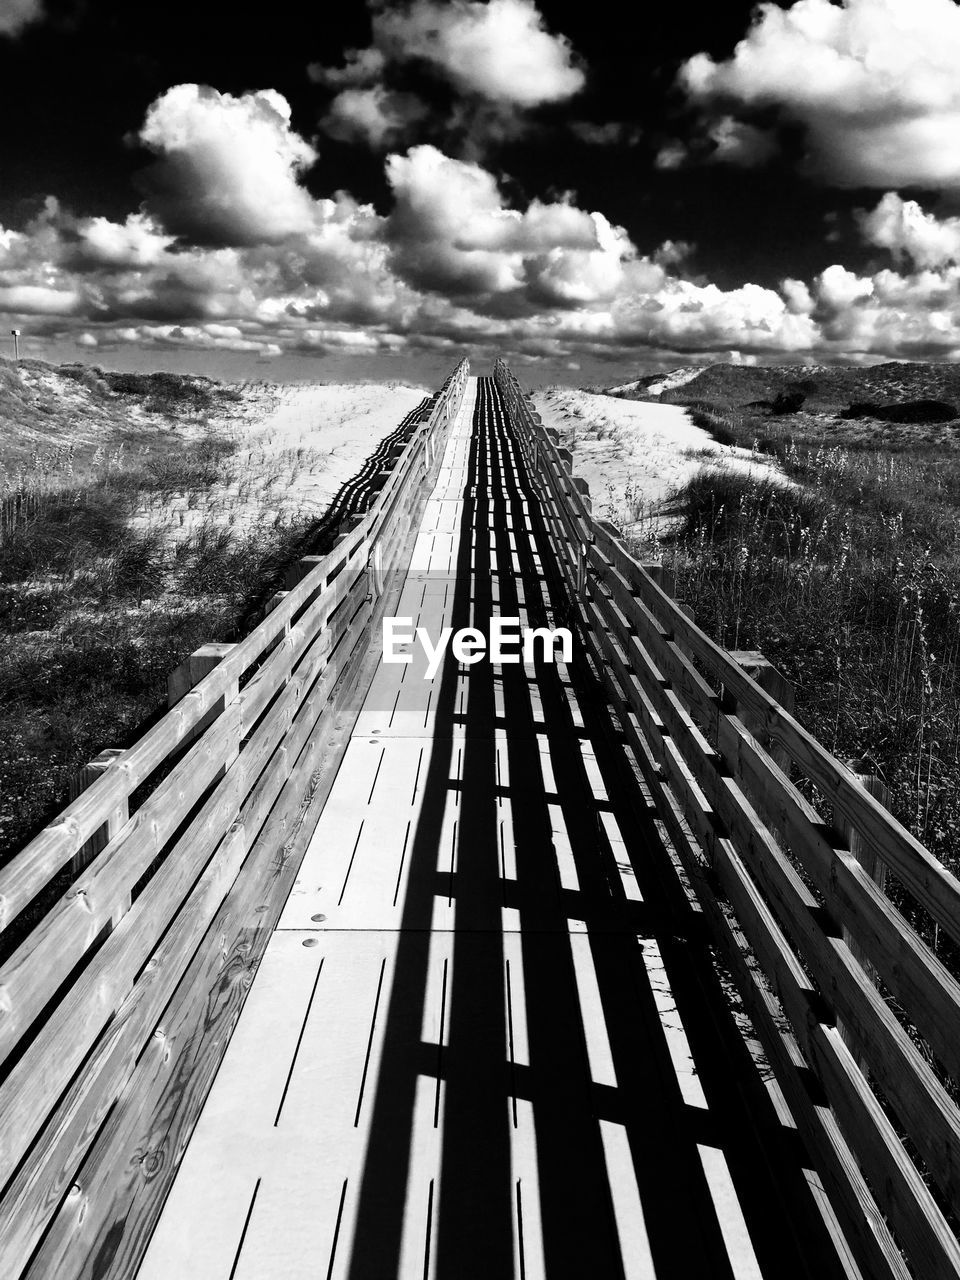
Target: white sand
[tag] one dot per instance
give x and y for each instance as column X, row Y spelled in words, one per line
column 670, row 380
column 334, row 428
column 675, row 378
column 634, row 454
column 298, row 446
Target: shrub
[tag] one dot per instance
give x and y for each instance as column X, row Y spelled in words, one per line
column 787, row 402
column 852, row 588
column 715, row 423
column 909, row 412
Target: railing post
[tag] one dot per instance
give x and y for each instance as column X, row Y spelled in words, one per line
column 274, row 602
column 82, row 779
column 189, row 674
column 667, row 582
column 300, row 570
column 867, row 856
column 779, row 688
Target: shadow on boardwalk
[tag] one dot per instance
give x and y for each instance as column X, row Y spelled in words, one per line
column 572, row 975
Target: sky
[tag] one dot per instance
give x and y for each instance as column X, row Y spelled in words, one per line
column 372, row 190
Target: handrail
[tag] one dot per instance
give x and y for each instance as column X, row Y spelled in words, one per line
column 172, row 913
column 784, row 895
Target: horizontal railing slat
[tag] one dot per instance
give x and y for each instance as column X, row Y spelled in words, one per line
column 937, row 890
column 912, row 972
column 862, row 1219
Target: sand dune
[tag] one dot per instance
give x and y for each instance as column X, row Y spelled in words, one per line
column 634, row 454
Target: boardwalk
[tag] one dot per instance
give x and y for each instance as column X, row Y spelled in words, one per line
column 486, row 1038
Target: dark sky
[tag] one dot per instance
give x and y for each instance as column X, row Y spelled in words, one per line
column 77, row 82
column 75, row 86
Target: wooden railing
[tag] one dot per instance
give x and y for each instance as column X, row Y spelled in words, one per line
column 115, row 1009
column 858, row 1017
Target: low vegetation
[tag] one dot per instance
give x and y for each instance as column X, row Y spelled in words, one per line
column 121, row 552
column 848, row 580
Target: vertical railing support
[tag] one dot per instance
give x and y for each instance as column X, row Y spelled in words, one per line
column 779, row 688
column 82, row 779
column 875, row 868
column 189, row 674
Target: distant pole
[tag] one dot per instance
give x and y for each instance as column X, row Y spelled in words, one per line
column 16, row 344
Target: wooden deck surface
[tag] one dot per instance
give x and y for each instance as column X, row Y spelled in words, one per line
column 485, row 1039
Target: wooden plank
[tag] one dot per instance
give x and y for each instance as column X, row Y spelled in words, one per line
column 930, row 1117
column 779, row 688
column 629, row 620
column 25, row 875
column 923, row 1104
column 346, row 655
column 29, row 1202
column 312, row 637
column 155, row 1112
column 265, row 1106
column 117, row 819
column 48, row 955
column 907, row 966
column 861, row 1218
column 934, row 887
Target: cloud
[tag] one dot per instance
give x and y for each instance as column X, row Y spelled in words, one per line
column 499, row 50
column 498, row 57
column 362, row 67
column 455, row 263
column 610, row 134
column 689, row 317
column 17, row 14
column 741, row 144
column 873, row 83
column 452, row 233
column 375, row 115
column 902, row 227
column 38, row 300
column 229, row 167
column 888, row 314
column 672, row 155
column 137, row 242
column 722, row 140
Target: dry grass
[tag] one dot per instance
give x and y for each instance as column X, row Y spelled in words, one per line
column 120, row 553
column 849, row 582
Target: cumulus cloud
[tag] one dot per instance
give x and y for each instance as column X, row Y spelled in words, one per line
column 500, row 50
column 872, row 82
column 229, row 167
column 375, row 115
column 496, row 55
column 137, row 242
column 17, row 14
column 888, row 314
column 453, row 263
column 451, row 232
column 691, row 317
column 908, row 232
